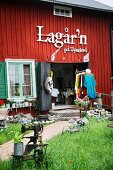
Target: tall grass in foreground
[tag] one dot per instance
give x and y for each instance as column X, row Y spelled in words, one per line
column 89, row 149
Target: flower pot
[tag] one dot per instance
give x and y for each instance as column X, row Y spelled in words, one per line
column 13, row 105
column 18, row 149
column 26, row 104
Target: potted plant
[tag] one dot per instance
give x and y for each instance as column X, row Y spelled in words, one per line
column 26, row 103
column 18, row 144
column 13, row 103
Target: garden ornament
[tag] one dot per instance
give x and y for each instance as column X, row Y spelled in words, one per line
column 72, row 127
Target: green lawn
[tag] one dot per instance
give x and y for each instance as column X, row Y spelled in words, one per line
column 89, row 149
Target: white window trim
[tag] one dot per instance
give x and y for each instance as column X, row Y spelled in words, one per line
column 64, row 8
column 33, row 78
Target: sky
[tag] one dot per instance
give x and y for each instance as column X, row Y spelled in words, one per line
column 106, row 2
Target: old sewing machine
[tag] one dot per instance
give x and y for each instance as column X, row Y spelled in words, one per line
column 35, row 149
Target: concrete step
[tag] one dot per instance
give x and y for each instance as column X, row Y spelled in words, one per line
column 62, row 107
column 65, row 113
column 68, row 118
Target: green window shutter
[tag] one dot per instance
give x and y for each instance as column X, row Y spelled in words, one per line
column 3, row 81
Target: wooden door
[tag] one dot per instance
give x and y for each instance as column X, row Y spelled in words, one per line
column 45, row 102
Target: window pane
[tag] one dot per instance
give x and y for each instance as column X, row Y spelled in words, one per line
column 27, row 80
column 56, row 11
column 20, row 80
column 67, row 12
column 62, row 12
column 14, row 69
column 26, row 90
column 14, row 79
column 15, row 90
column 12, row 90
column 26, row 69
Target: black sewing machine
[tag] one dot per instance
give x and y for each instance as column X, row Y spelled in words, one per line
column 37, row 128
column 36, row 139
column 35, row 149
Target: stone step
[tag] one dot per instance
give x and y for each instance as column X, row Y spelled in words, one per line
column 68, row 118
column 65, row 113
column 62, row 107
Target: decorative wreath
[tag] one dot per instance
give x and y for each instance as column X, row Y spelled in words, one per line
column 49, row 84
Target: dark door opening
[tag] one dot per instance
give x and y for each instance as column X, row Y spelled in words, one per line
column 64, row 80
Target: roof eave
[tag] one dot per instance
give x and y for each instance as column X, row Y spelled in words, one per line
column 79, row 6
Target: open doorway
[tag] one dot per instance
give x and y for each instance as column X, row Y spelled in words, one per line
column 64, row 81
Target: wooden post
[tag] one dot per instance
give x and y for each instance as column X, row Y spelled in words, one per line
column 99, row 100
column 80, row 112
column 112, row 103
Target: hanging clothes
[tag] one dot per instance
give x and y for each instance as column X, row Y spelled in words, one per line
column 85, row 84
column 80, row 90
column 90, row 83
column 77, row 81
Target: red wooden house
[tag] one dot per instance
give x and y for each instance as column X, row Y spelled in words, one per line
column 62, row 35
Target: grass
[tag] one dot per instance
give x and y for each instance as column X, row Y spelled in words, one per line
column 7, row 134
column 89, row 149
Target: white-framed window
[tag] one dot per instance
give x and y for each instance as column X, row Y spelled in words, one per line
column 21, row 79
column 62, row 11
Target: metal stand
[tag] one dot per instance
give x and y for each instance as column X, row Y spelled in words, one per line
column 35, row 151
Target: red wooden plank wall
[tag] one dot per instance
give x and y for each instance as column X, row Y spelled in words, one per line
column 18, row 35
